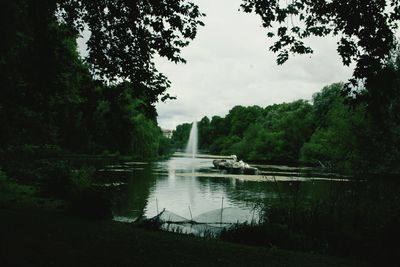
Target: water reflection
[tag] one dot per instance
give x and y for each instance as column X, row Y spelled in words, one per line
column 131, row 200
column 179, row 183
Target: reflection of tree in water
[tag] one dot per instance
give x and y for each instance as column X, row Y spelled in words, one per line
column 254, row 193
column 236, row 191
column 144, row 187
column 132, row 199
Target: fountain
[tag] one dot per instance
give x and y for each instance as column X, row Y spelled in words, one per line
column 191, row 148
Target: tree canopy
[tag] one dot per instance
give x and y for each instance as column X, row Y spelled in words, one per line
column 50, row 97
column 125, row 35
column 366, row 29
column 329, row 132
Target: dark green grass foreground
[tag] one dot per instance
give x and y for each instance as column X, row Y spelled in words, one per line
column 38, row 237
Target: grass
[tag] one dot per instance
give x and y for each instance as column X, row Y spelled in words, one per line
column 37, row 236
column 357, row 219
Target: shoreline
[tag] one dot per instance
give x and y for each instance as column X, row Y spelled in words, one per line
column 35, row 236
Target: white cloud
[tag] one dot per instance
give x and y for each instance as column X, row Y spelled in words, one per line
column 229, row 64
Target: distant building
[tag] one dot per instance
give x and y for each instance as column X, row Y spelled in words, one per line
column 167, row 133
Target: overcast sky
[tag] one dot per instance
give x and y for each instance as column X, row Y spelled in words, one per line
column 229, row 64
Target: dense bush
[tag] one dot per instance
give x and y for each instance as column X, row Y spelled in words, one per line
column 272, row 235
column 60, row 180
column 6, row 185
column 56, row 179
column 21, row 162
column 358, row 219
column 275, row 133
column 91, row 203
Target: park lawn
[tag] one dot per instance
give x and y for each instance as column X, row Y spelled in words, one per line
column 34, row 236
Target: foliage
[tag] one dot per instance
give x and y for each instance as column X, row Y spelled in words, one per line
column 54, row 104
column 275, row 133
column 125, row 35
column 164, row 146
column 338, row 141
column 356, row 219
column 55, row 237
column 181, row 135
column 50, row 97
column 91, row 203
column 331, row 132
column 383, row 109
column 364, row 137
column 58, row 179
column 366, row 29
column 271, row 235
column 6, row 185
column 21, row 162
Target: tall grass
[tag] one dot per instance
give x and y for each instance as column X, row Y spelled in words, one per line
column 359, row 219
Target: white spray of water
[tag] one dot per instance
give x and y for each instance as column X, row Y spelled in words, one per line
column 191, row 147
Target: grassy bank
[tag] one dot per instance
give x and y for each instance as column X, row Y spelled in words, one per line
column 357, row 219
column 37, row 236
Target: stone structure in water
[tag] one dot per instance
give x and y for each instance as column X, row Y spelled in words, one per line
column 234, row 166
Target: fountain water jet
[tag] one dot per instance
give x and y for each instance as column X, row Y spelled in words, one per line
column 191, row 147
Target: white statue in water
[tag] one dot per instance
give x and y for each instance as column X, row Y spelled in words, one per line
column 234, row 166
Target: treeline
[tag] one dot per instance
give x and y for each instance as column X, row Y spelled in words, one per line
column 60, row 119
column 50, row 98
column 349, row 134
column 274, row 133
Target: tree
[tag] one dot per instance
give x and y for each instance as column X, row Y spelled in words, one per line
column 322, row 102
column 274, row 134
column 342, row 138
column 125, row 36
column 366, row 29
column 240, row 118
column 181, row 135
column 204, row 133
column 41, row 74
column 49, row 98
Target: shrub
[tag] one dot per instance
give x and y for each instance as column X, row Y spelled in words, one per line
column 275, row 235
column 91, row 203
column 60, row 180
column 21, row 162
column 6, row 184
column 81, row 180
column 357, row 219
column 55, row 179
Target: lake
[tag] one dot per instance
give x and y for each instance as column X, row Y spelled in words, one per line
column 193, row 189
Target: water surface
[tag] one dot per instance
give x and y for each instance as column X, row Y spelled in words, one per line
column 193, row 189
